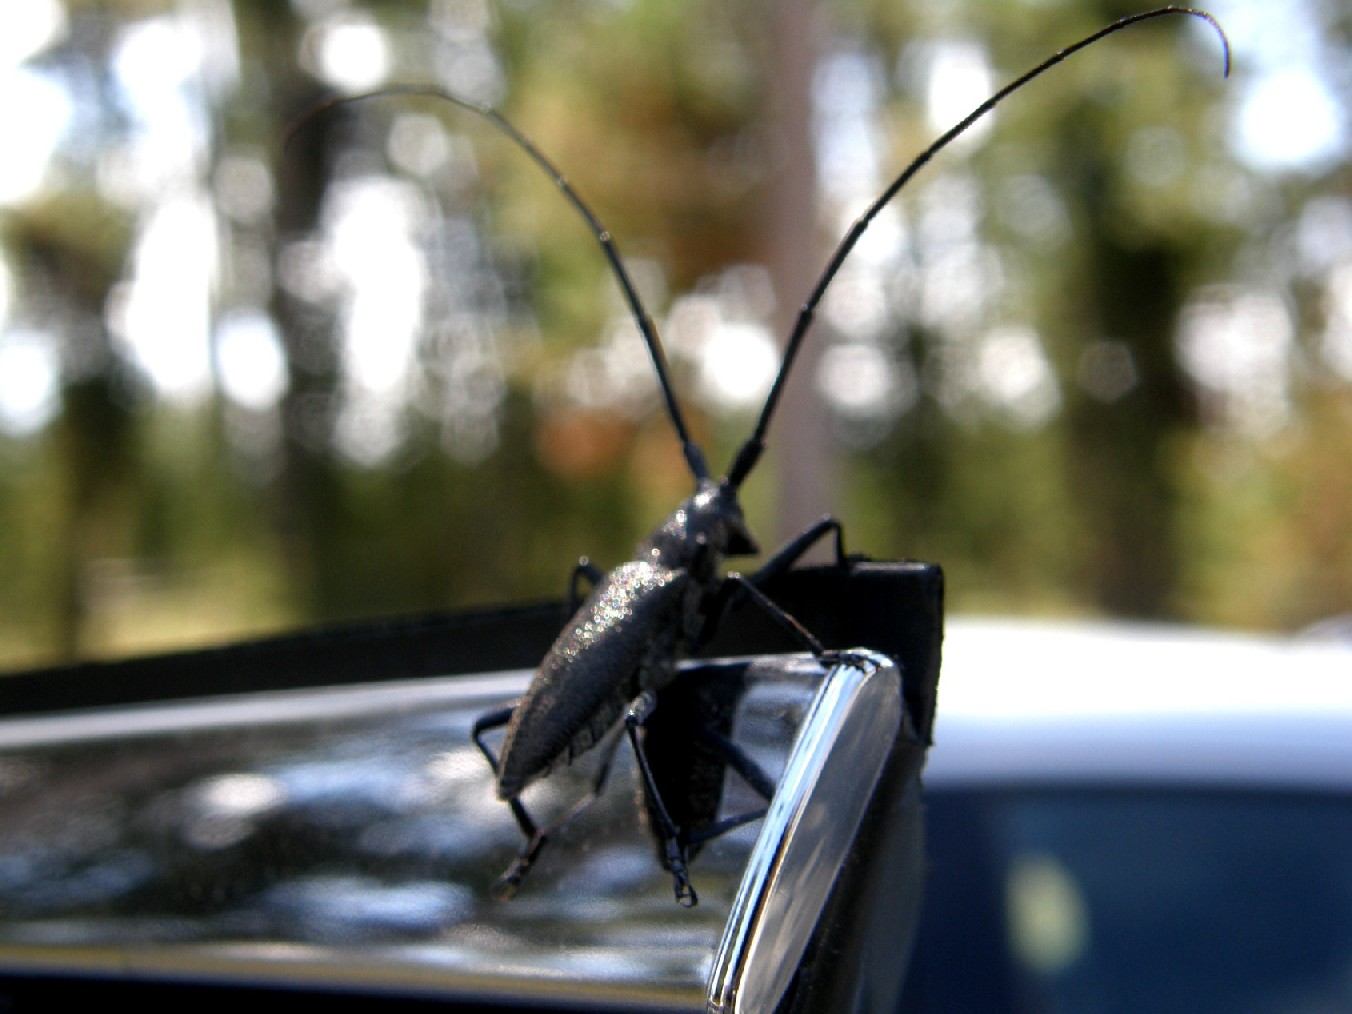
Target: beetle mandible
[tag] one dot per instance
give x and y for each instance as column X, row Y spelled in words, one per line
column 625, row 640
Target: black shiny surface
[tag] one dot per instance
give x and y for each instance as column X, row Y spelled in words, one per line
column 306, row 816
column 351, row 829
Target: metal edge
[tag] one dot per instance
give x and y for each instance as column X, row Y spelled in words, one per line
column 828, row 781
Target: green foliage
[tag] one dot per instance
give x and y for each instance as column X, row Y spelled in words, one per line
column 1101, row 206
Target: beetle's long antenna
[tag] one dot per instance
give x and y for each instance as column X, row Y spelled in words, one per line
column 694, row 456
column 751, row 451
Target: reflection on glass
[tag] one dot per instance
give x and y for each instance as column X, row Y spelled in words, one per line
column 1048, row 924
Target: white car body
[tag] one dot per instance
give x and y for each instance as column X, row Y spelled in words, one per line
column 1093, row 702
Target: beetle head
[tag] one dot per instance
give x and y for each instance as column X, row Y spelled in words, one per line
column 738, row 538
column 714, row 519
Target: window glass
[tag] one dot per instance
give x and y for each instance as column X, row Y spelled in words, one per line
column 1137, row 900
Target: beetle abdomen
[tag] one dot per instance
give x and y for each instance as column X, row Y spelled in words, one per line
column 630, row 622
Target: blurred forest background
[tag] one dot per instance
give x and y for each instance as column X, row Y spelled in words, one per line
column 1096, row 359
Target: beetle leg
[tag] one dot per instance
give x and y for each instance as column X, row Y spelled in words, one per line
column 735, row 583
column 673, row 852
column 536, row 837
column 491, row 720
column 585, row 568
column 751, row 773
column 506, row 885
column 721, row 826
column 736, row 586
column 607, row 754
column 740, row 761
column 793, row 550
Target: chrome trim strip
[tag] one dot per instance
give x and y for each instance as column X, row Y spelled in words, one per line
column 808, row 833
column 257, row 710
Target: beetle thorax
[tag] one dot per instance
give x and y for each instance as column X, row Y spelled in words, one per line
column 700, row 532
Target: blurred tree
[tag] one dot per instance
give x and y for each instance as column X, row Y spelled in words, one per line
column 67, row 251
column 1106, row 302
column 1094, row 358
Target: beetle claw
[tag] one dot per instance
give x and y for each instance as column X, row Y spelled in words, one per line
column 685, row 891
column 505, row 887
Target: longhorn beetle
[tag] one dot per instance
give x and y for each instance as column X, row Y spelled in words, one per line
column 624, row 642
